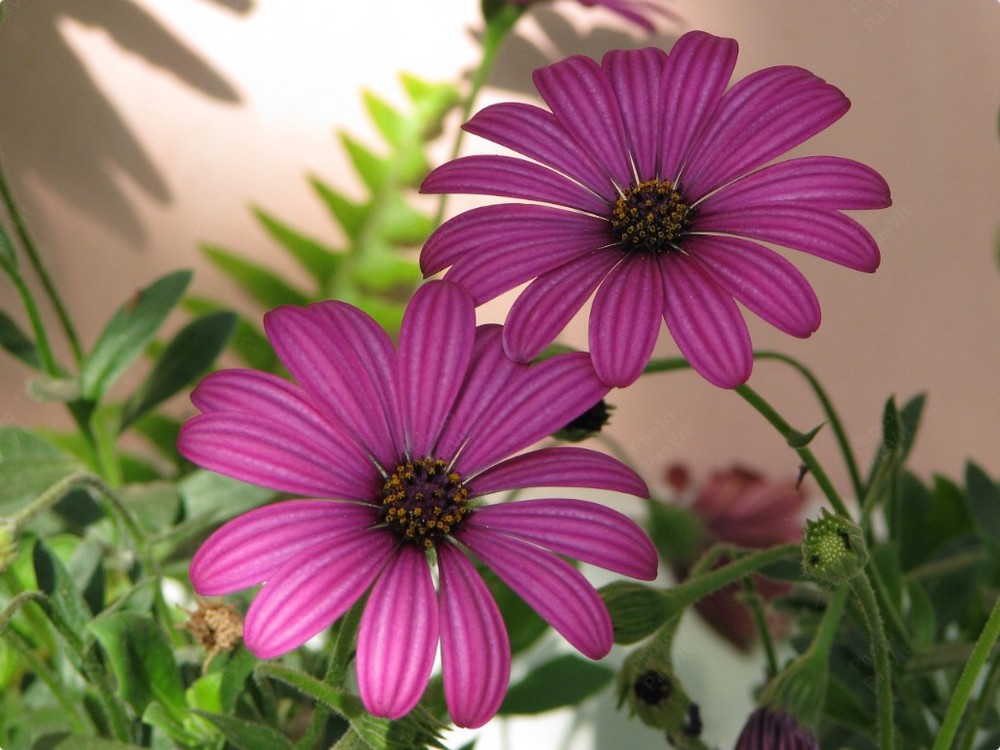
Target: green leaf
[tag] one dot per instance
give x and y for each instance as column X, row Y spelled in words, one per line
column 128, row 332
column 922, row 617
column 235, row 668
column 245, row 734
column 351, row 216
column 909, row 422
column 48, row 388
column 564, row 681
column 524, row 625
column 161, row 431
column 262, row 284
column 156, row 505
column 17, row 343
column 211, row 494
column 402, row 224
column 29, row 465
column 393, row 126
column 55, row 581
column 371, row 168
column 379, row 267
column 798, row 439
column 248, row 341
column 142, row 661
column 75, row 742
column 983, row 502
column 7, row 254
column 188, row 355
column 319, row 260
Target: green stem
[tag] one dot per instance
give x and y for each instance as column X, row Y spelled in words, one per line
column 985, row 700
column 967, row 680
column 831, row 415
column 36, row 262
column 786, row 430
column 881, row 663
column 34, row 317
column 755, row 603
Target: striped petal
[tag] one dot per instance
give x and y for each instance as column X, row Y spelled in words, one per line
column 546, row 306
column 346, row 363
column 582, row 99
column 580, row 530
column 633, row 75
column 545, row 398
column 831, row 182
column 398, row 636
column 761, row 117
column 250, row 548
column 625, row 320
column 761, row 280
column 826, row 234
column 308, row 593
column 435, row 345
column 274, row 453
column 705, row 322
column 565, row 466
column 549, row 585
column 475, row 649
column 539, row 135
column 512, row 177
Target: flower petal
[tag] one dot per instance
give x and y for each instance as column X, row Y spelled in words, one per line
column 761, row 117
column 537, row 134
column 565, row 466
column 696, row 75
column 542, row 400
column 549, row 585
column 435, row 345
column 818, row 181
column 274, row 453
column 250, row 548
column 633, row 75
column 475, row 649
column 580, row 96
column 826, row 234
column 398, row 636
column 546, row 306
column 761, row 280
column 625, row 320
column 512, row 178
column 310, row 591
column 262, row 398
column 705, row 323
column 346, row 362
column 581, row 530
column 494, row 248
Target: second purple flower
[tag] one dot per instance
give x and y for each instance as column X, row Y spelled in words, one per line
column 660, row 202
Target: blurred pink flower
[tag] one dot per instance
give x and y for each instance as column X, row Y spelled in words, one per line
column 661, row 195
column 770, row 729
column 739, row 506
column 406, row 440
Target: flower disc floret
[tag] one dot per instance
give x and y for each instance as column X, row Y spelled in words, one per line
column 650, row 217
column 422, row 501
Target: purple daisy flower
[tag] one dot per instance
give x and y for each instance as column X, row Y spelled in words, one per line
column 639, row 12
column 772, row 729
column 405, row 441
column 660, row 201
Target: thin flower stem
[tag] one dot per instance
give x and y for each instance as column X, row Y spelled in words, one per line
column 815, row 468
column 985, row 700
column 865, row 595
column 755, row 603
column 831, row 415
column 34, row 317
column 36, row 262
column 967, row 680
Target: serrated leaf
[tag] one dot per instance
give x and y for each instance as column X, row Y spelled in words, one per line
column 982, row 500
column 128, row 332
column 142, row 661
column 260, row 283
column 189, row 354
column 393, row 125
column 379, row 267
column 15, row 341
column 402, row 224
column 371, row 168
column 245, row 734
column 29, row 465
column 432, row 100
column 350, row 216
column 564, row 681
column 320, row 261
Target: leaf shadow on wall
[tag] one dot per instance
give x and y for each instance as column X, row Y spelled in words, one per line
column 59, row 127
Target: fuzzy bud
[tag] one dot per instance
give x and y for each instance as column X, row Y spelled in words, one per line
column 647, row 684
column 833, row 549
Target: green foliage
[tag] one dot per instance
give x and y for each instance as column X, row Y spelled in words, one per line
column 566, row 680
column 15, row 341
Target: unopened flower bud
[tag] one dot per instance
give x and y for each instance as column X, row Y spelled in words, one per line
column 647, row 684
column 768, row 729
column 637, row 611
column 833, row 549
column 589, row 423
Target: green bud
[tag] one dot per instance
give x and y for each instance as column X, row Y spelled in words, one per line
column 833, row 549
column 637, row 611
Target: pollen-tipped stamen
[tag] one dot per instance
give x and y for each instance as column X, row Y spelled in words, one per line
column 423, row 502
column 650, row 217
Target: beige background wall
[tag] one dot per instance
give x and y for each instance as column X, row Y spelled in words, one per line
column 134, row 129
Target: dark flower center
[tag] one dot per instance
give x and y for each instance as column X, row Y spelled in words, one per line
column 422, row 501
column 650, row 217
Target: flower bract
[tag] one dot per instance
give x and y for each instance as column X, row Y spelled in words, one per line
column 653, row 191
column 393, row 448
